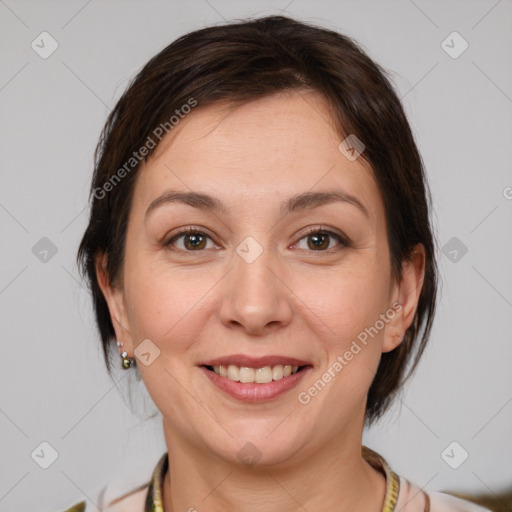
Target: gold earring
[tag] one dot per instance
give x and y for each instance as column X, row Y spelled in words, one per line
column 126, row 362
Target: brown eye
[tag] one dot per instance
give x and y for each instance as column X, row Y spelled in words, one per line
column 318, row 241
column 322, row 240
column 190, row 240
column 195, row 241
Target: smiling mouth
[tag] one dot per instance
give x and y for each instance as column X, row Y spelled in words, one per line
column 248, row 375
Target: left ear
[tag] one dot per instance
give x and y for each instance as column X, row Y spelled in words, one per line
column 405, row 294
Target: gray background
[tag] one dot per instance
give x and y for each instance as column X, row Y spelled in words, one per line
column 53, row 385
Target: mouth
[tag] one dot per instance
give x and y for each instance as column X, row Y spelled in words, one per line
column 255, row 379
column 261, row 375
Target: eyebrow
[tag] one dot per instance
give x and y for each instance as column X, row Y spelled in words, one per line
column 296, row 203
column 314, row 199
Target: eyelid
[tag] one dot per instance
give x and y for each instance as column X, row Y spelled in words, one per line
column 342, row 239
column 183, row 231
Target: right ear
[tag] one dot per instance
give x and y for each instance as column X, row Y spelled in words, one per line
column 114, row 296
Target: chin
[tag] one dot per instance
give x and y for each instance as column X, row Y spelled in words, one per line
column 259, row 449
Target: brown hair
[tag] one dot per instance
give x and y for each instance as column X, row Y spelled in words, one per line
column 247, row 60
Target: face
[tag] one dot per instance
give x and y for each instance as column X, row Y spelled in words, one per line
column 256, row 248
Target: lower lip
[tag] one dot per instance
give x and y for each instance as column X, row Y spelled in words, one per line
column 253, row 392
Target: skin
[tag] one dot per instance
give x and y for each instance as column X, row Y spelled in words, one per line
column 294, row 299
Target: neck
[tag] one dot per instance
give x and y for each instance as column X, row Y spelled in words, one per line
column 335, row 477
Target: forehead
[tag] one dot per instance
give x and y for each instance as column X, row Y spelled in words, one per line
column 273, row 147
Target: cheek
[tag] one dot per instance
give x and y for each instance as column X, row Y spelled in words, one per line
column 165, row 304
column 347, row 301
column 343, row 311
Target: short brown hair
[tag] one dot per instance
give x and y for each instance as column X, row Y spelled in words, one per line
column 246, row 60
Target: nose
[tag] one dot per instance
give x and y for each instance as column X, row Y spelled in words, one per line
column 255, row 298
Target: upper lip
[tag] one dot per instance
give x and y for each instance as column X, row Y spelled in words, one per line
column 255, row 362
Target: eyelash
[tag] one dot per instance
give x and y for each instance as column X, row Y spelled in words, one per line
column 343, row 242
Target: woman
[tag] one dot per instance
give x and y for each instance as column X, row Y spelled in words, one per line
column 260, row 248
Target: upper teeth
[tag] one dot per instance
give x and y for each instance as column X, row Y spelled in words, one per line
column 258, row 375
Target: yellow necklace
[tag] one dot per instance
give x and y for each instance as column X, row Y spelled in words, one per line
column 155, row 490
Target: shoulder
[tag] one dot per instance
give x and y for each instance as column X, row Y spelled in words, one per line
column 112, row 499
column 124, row 496
column 413, row 499
column 131, row 493
column 442, row 501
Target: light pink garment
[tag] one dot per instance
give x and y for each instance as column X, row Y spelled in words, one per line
column 129, row 495
column 412, row 499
